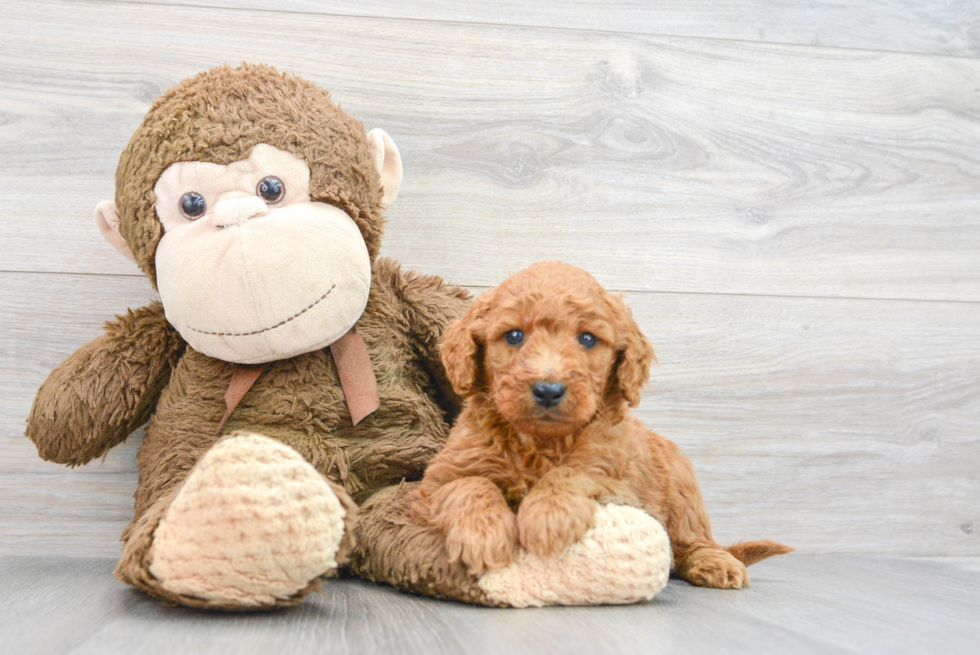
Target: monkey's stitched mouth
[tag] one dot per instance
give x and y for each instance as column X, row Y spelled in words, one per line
column 277, row 325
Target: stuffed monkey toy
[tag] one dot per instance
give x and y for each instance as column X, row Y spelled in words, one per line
column 289, row 373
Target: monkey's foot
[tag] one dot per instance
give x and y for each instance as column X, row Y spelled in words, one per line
column 253, row 525
column 623, row 558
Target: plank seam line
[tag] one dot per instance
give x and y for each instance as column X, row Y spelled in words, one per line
column 483, row 287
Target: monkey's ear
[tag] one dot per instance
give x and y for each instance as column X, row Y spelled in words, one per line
column 388, row 162
column 107, row 218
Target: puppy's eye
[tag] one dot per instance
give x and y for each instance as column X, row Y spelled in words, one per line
column 271, row 189
column 588, row 340
column 514, row 337
column 193, row 205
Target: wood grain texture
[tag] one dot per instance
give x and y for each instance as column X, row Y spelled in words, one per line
column 931, row 27
column 962, row 563
column 660, row 164
column 798, row 227
column 53, row 605
column 832, row 425
column 796, row 604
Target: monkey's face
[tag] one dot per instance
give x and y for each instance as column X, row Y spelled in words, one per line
column 249, row 269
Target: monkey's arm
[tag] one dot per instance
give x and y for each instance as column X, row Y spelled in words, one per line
column 430, row 305
column 106, row 389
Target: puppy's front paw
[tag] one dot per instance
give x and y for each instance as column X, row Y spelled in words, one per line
column 483, row 541
column 548, row 524
column 716, row 568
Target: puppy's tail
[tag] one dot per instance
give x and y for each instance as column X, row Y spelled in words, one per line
column 750, row 552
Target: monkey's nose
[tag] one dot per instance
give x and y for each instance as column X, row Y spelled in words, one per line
column 236, row 210
column 547, row 394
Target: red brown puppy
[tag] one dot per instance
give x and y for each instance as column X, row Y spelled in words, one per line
column 550, row 363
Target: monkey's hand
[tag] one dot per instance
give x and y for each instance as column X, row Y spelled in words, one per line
column 106, row 389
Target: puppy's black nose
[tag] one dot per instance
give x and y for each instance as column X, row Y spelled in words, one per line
column 548, row 394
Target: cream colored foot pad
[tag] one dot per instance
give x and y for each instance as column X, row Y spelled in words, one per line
column 254, row 522
column 623, row 558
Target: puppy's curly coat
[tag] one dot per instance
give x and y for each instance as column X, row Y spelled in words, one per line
column 549, row 363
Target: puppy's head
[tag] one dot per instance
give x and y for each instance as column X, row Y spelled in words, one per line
column 548, row 348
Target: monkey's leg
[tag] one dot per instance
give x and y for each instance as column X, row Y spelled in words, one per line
column 395, row 546
column 623, row 558
column 252, row 526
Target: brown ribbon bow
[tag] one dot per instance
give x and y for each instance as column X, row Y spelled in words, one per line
column 353, row 363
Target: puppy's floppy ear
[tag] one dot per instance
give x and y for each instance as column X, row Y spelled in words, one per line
column 461, row 346
column 635, row 356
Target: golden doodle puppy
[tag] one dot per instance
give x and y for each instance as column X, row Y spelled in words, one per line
column 549, row 363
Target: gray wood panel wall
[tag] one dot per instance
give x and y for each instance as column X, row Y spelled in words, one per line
column 789, row 193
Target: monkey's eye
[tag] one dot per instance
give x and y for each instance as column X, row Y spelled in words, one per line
column 193, row 205
column 588, row 340
column 271, row 189
column 514, row 337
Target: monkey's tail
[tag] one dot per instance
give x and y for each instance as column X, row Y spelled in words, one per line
column 750, row 552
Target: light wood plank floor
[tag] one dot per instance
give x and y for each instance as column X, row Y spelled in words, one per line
column 796, row 605
column 789, row 193
column 798, row 229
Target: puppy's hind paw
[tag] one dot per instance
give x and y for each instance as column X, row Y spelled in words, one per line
column 715, row 568
column 623, row 558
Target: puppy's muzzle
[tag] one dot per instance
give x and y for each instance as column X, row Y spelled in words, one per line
column 548, row 394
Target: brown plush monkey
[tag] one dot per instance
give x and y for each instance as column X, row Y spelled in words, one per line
column 289, row 372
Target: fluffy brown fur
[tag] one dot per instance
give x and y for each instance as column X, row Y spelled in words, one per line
column 141, row 369
column 515, row 472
